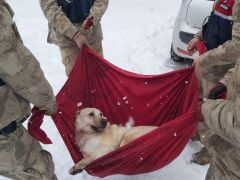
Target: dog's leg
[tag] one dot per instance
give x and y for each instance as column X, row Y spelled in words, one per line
column 123, row 142
column 74, row 171
column 128, row 138
column 78, row 168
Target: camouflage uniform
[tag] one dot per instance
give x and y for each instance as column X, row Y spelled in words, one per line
column 215, row 64
column 62, row 31
column 21, row 156
column 222, row 116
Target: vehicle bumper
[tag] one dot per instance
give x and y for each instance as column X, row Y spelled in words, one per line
column 182, row 34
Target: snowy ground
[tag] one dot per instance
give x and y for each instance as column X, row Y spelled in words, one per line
column 137, row 37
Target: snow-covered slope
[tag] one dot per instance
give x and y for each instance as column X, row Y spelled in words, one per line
column 137, row 37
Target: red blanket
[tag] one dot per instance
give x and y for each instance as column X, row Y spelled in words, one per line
column 167, row 100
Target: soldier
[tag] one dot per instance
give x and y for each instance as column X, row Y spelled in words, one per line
column 22, row 82
column 73, row 24
column 213, row 65
column 223, row 118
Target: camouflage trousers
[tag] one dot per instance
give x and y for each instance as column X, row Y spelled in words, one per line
column 216, row 173
column 224, row 164
column 22, row 157
column 69, row 55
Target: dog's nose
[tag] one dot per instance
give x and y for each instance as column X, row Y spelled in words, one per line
column 103, row 123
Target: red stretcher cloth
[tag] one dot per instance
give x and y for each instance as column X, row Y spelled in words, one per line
column 201, row 47
column 167, row 100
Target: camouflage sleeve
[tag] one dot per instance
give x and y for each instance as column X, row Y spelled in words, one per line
column 223, row 117
column 227, row 77
column 57, row 18
column 21, row 71
column 98, row 9
column 230, row 50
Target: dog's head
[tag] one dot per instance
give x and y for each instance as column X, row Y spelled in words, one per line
column 90, row 120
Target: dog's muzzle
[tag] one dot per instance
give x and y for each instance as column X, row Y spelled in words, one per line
column 102, row 125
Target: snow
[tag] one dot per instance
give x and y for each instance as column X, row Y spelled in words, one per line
column 130, row 123
column 137, row 37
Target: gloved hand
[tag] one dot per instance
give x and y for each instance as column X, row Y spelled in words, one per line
column 218, row 91
column 81, row 40
column 51, row 110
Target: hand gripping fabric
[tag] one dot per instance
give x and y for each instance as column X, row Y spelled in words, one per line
column 167, row 100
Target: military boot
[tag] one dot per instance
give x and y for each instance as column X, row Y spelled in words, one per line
column 202, row 157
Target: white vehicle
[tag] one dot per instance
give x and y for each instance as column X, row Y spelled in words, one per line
column 189, row 21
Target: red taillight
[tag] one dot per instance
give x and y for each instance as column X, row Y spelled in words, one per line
column 183, row 52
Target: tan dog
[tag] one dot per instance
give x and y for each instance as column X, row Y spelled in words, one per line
column 96, row 137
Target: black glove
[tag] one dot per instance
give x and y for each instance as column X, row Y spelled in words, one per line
column 218, row 91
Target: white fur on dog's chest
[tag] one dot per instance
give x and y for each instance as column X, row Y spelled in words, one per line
column 92, row 144
column 96, row 147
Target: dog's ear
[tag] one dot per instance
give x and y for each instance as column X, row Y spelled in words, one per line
column 78, row 112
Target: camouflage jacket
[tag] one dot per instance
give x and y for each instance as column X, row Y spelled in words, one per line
column 62, row 31
column 215, row 63
column 223, row 118
column 24, row 80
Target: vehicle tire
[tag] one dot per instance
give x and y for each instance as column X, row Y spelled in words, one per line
column 175, row 57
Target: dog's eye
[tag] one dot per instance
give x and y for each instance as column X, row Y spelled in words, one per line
column 91, row 114
column 101, row 114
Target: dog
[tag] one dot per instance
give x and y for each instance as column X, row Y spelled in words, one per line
column 96, row 137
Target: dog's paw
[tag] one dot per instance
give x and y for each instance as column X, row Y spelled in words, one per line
column 74, row 171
